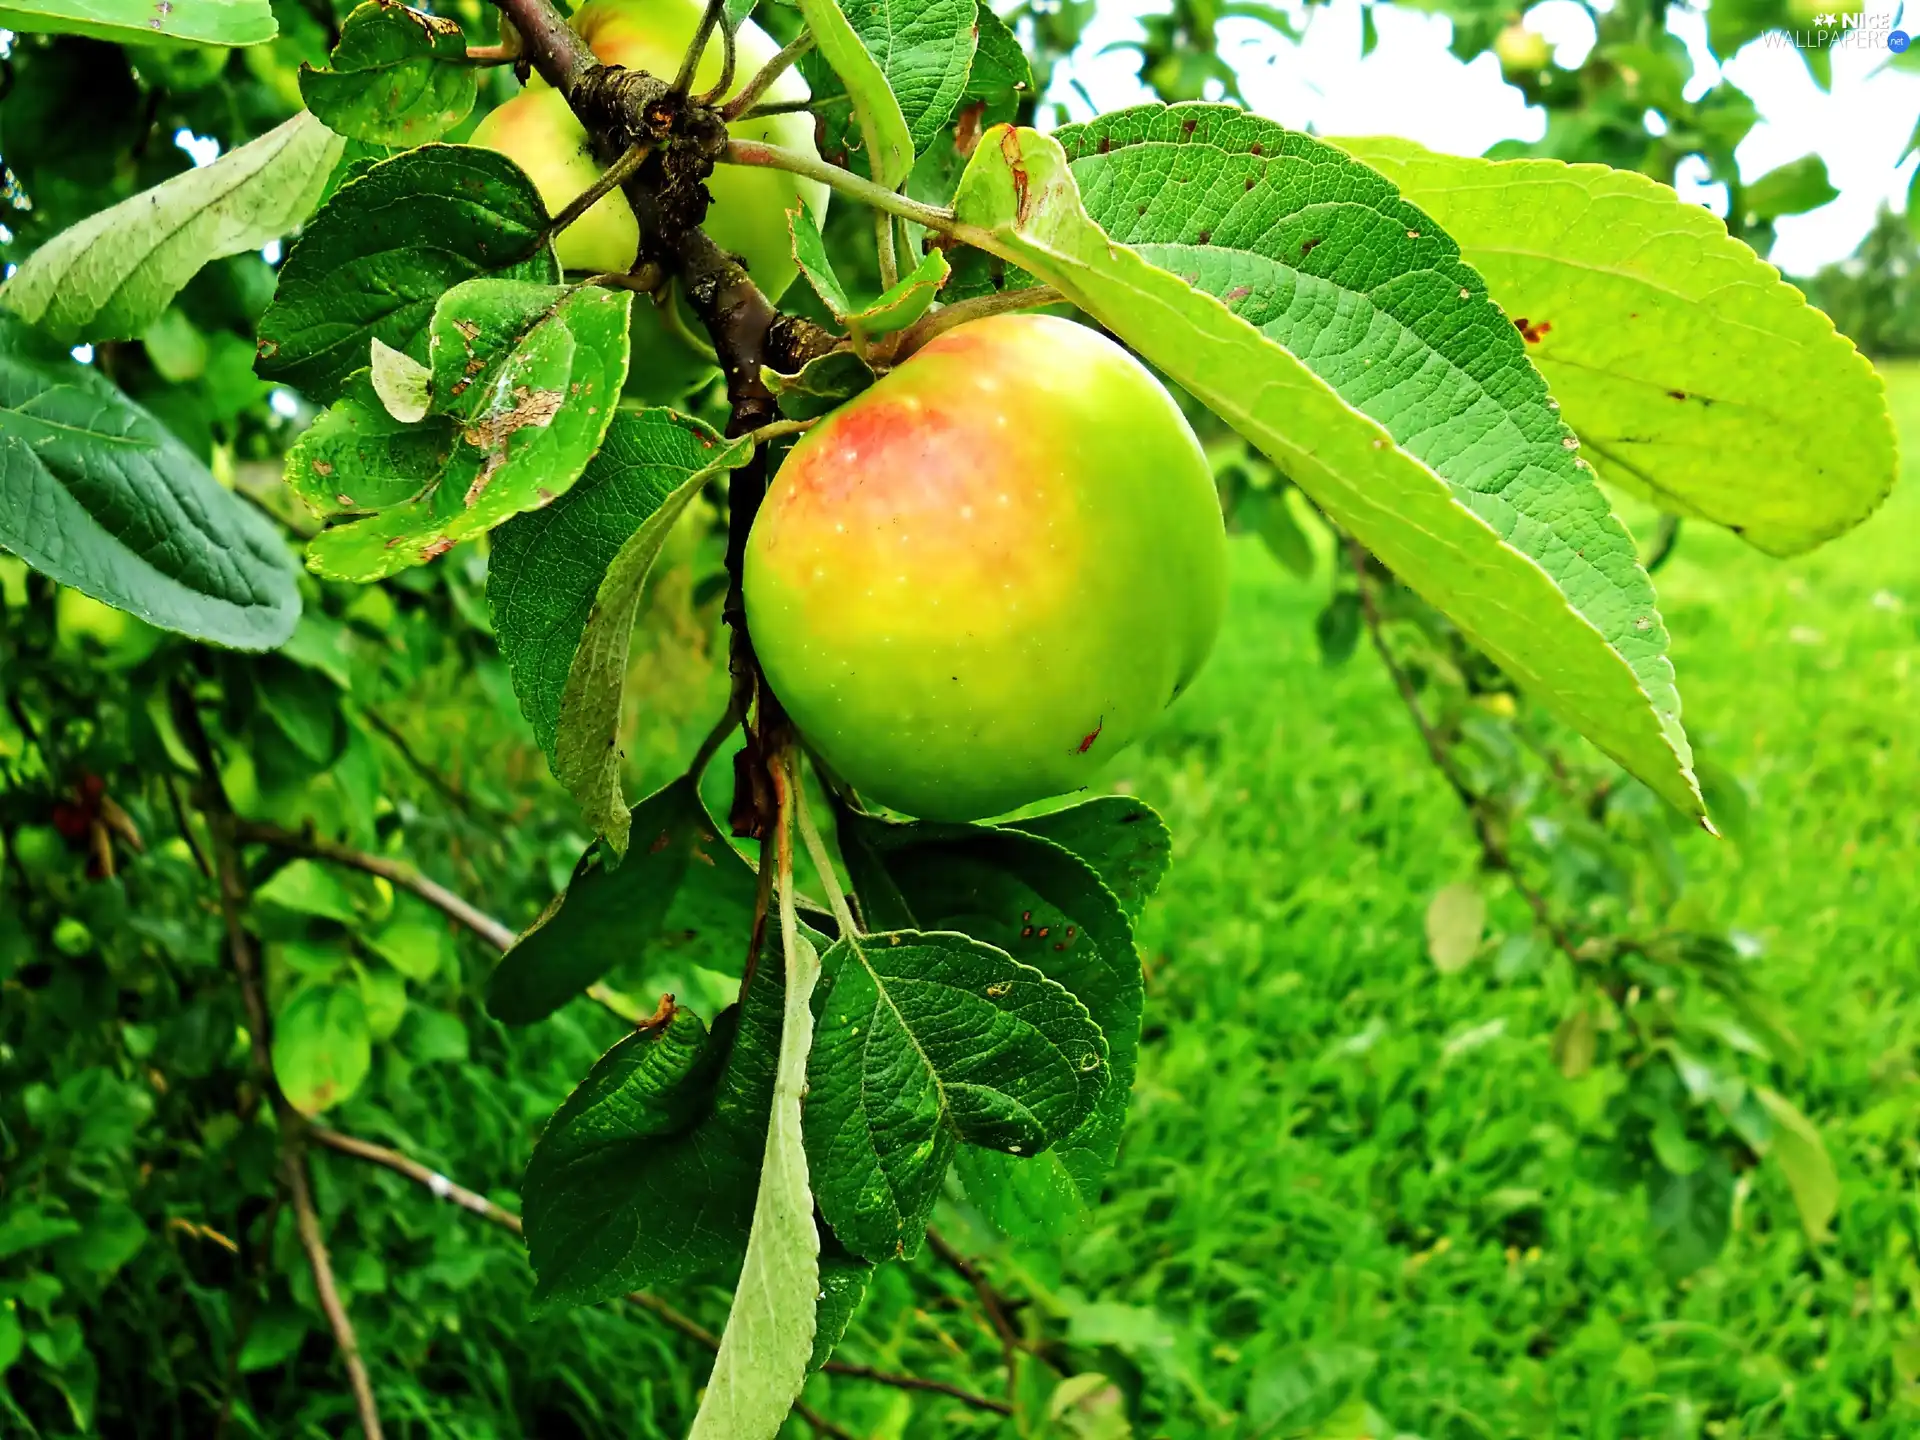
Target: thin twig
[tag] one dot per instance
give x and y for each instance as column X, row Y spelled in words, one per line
column 821, row 1424
column 785, row 107
column 478, row 1204
column 307, row 1222
column 937, row 322
column 397, row 872
column 433, row 1180
column 604, row 184
column 714, row 14
column 186, row 830
column 775, row 157
column 883, row 242
column 222, row 825
column 749, row 97
column 1011, row 1342
column 730, row 58
column 823, row 862
column 484, row 55
column 1493, row 849
column 459, row 798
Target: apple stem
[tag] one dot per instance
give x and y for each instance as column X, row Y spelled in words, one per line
column 714, row 15
column 608, row 180
column 775, row 157
column 822, row 861
column 745, row 101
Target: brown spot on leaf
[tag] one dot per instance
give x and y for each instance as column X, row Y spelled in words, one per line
column 1676, row 394
column 1187, row 127
column 1256, row 148
column 1106, row 144
column 1239, row 292
column 1530, row 331
column 1206, row 237
column 1087, row 744
column 1306, row 246
column 321, row 467
column 434, row 549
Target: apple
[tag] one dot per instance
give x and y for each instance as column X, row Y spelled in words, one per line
column 973, row 583
column 748, row 213
column 1522, row 51
column 539, row 132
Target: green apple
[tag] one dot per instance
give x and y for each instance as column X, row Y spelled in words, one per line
column 539, row 132
column 972, row 584
column 748, row 216
column 748, row 213
column 1522, row 51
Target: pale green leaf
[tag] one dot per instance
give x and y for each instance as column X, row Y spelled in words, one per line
column 143, row 22
column 883, row 128
column 1456, row 919
column 322, row 1046
column 1802, row 1157
column 1687, row 365
column 924, row 1041
column 399, row 77
column 403, row 384
column 904, row 303
column 768, row 1342
column 115, row 273
column 98, row 494
column 585, row 746
column 1018, row 199
column 824, row 384
column 525, row 380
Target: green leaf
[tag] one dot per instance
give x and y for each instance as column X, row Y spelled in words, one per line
column 1043, row 906
column 824, row 384
column 1268, row 514
column 1001, row 72
column 1791, row 189
column 548, row 565
column 304, row 887
column 114, row 274
column 883, row 128
column 1456, row 547
column 925, row 50
column 12, row 1337
column 768, row 1342
column 142, row 22
column 417, row 948
column 586, row 754
column 375, row 260
column 843, row 1285
column 403, row 385
column 1121, row 838
column 1456, row 919
column 1691, row 1215
column 526, row 377
column 322, row 1047
column 904, row 303
column 645, row 1175
column 99, row 495
column 1687, row 365
column 27, row 1227
column 399, row 77
column 1802, row 1157
column 923, row 1041
column 608, row 915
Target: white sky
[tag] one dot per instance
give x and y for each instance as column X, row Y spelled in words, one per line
column 1412, row 85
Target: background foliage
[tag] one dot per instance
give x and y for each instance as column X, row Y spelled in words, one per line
column 1401, row 1159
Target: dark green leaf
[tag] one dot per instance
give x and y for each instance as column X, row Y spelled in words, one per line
column 1046, row 907
column 923, row 1041
column 525, row 379
column 612, row 916
column 843, row 1285
column 377, row 258
column 98, row 494
column 1124, row 841
column 646, row 1174
column 1001, row 73
column 399, row 77
column 1337, row 628
column 1691, row 1216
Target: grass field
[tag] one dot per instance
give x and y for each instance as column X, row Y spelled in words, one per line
column 1351, row 1179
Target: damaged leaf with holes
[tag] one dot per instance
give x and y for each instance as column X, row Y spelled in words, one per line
column 524, row 380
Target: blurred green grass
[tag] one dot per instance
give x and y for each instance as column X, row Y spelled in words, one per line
column 1350, row 1176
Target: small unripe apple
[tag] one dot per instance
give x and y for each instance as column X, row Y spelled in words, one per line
column 539, row 132
column 973, row 583
column 1522, row 51
column 748, row 213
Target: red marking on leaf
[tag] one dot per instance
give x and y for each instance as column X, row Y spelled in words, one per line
column 1239, row 292
column 1106, row 143
column 1531, row 332
column 1257, row 149
column 1087, row 744
column 1010, row 152
column 434, row 549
